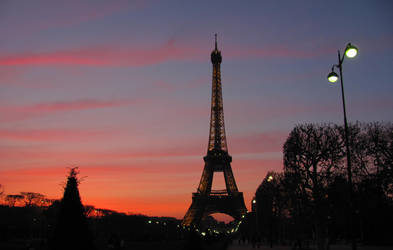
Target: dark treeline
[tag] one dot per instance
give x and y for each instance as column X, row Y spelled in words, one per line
column 36, row 226
column 40, row 223
column 309, row 201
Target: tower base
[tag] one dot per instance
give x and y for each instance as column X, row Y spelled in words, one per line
column 203, row 205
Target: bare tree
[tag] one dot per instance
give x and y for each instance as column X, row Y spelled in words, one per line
column 32, row 198
column 46, row 202
column 100, row 212
column 1, row 191
column 312, row 152
column 380, row 138
column 13, row 198
column 316, row 174
column 89, row 210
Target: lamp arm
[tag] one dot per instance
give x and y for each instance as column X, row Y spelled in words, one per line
column 340, row 59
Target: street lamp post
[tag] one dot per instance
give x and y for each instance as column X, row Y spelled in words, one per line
column 350, row 52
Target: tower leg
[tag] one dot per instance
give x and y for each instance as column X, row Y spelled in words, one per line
column 205, row 185
column 230, row 180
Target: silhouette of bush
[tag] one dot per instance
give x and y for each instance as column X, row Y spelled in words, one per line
column 72, row 230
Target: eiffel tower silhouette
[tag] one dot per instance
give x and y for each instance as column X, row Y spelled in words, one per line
column 207, row 201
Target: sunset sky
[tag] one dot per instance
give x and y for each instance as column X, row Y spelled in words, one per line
column 122, row 90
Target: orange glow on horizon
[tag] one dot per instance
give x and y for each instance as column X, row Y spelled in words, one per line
column 139, row 190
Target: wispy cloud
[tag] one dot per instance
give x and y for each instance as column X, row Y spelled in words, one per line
column 21, row 112
column 104, row 56
column 11, row 153
column 261, row 143
column 48, row 135
column 139, row 55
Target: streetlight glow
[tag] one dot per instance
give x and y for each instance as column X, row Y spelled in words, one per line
column 351, row 51
column 254, row 201
column 332, row 77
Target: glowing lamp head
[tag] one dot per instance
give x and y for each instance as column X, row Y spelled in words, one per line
column 351, row 51
column 254, row 201
column 270, row 178
column 332, row 77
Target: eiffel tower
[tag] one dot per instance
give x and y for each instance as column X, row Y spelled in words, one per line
column 207, row 201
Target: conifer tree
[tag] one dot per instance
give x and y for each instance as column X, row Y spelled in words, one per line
column 72, row 230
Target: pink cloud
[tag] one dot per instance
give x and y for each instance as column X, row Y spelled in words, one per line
column 104, row 56
column 141, row 56
column 33, row 172
column 152, row 171
column 175, row 152
column 10, row 113
column 47, row 135
column 56, row 171
column 14, row 153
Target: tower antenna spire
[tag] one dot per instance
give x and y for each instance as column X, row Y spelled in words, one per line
column 215, row 35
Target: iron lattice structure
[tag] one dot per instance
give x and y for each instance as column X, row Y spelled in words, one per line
column 207, row 201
